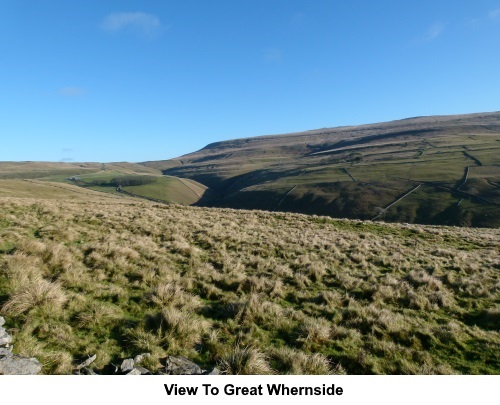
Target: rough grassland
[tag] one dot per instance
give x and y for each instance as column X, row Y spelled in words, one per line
column 98, row 177
column 250, row 291
column 50, row 190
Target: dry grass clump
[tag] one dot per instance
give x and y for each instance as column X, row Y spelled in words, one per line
column 145, row 341
column 182, row 328
column 245, row 361
column 314, row 331
column 252, row 291
column 292, row 361
column 21, row 270
column 171, row 294
column 40, row 293
column 31, row 247
column 256, row 309
column 97, row 314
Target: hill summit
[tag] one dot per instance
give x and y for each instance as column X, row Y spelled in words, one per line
column 429, row 170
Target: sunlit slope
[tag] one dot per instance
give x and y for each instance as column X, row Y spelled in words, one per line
column 134, row 180
column 447, row 169
column 60, row 170
column 162, row 188
column 36, row 170
column 36, row 189
column 247, row 291
column 170, row 189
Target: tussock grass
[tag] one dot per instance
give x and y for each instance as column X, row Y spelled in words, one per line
column 41, row 293
column 244, row 361
column 97, row 314
column 182, row 327
column 292, row 361
column 174, row 295
column 250, row 291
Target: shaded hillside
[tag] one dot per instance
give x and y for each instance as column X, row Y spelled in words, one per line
column 361, row 172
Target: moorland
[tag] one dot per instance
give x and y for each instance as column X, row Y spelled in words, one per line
column 440, row 170
column 251, row 292
column 446, row 168
column 328, row 251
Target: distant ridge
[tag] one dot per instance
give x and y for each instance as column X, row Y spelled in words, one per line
column 386, row 158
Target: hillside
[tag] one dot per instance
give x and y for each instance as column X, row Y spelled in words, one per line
column 249, row 291
column 60, row 170
column 134, row 180
column 33, row 189
column 447, row 168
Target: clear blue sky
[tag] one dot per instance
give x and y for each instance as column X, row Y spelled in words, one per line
column 115, row 80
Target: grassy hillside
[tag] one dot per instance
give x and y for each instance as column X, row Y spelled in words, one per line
column 59, row 170
column 170, row 189
column 150, row 183
column 249, row 291
column 167, row 189
column 359, row 172
column 33, row 189
column 36, row 170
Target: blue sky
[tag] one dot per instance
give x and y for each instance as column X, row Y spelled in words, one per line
column 119, row 80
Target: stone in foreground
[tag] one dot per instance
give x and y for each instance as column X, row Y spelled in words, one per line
column 4, row 352
column 127, row 365
column 5, row 338
column 181, row 366
column 87, row 362
column 18, row 365
column 141, row 357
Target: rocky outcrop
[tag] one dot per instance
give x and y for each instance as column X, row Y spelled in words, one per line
column 19, row 365
column 173, row 366
column 127, row 366
column 12, row 363
column 87, row 362
column 5, row 338
column 181, row 366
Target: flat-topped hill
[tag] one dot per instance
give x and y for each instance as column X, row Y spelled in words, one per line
column 360, row 171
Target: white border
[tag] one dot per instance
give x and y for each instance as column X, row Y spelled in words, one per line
column 366, row 390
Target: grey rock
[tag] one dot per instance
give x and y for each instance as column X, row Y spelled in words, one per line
column 127, row 365
column 141, row 357
column 181, row 366
column 87, row 371
column 4, row 352
column 5, row 338
column 142, row 370
column 134, row 371
column 18, row 365
column 2, row 320
column 214, row 371
column 87, row 362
